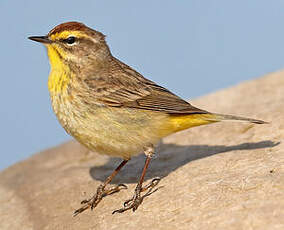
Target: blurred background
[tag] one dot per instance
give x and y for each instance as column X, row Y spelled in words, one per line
column 191, row 47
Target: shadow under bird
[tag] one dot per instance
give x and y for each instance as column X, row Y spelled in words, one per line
column 110, row 108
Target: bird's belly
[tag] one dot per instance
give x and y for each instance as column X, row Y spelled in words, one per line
column 120, row 132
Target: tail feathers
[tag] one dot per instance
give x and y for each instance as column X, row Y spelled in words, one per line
column 222, row 117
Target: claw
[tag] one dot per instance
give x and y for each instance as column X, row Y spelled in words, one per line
column 94, row 201
column 123, row 186
column 115, row 189
column 126, row 203
column 84, row 201
column 137, row 199
column 152, row 184
column 76, row 212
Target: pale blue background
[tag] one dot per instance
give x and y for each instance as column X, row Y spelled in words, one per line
column 192, row 47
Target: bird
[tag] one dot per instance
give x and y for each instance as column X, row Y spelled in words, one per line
column 110, row 108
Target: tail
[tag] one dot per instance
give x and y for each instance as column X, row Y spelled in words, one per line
column 181, row 122
column 215, row 117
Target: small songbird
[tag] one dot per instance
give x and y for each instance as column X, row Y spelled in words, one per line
column 110, row 108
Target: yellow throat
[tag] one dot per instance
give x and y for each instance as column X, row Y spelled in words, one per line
column 60, row 74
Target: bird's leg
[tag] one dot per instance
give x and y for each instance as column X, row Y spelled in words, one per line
column 137, row 198
column 102, row 192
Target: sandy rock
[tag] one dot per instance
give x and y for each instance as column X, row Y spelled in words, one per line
column 223, row 176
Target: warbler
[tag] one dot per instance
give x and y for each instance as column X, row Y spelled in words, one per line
column 110, row 108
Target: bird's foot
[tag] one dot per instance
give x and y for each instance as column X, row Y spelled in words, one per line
column 137, row 198
column 101, row 192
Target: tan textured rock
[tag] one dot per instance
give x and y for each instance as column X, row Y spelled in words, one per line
column 223, row 176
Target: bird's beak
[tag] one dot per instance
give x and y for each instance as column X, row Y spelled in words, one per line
column 41, row 39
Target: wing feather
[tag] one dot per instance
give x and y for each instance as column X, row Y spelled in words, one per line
column 124, row 87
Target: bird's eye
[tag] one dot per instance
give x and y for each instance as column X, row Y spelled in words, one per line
column 70, row 40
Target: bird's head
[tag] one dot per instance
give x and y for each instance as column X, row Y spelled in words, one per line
column 75, row 45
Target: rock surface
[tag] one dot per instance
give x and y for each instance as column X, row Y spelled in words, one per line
column 224, row 176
